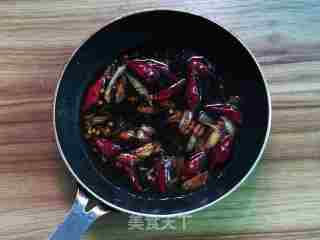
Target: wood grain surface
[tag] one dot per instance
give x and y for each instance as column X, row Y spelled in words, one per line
column 280, row 201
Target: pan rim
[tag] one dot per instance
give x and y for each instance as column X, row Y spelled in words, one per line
column 236, row 186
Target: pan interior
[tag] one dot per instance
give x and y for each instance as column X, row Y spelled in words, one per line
column 161, row 29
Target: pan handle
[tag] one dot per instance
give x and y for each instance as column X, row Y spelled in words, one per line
column 78, row 220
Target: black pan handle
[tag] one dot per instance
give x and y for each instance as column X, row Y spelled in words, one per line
column 78, row 220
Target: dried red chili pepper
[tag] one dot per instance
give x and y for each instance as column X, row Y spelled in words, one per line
column 166, row 94
column 193, row 165
column 133, row 177
column 155, row 75
column 229, row 109
column 146, row 150
column 199, row 81
column 193, row 97
column 195, row 182
column 156, row 176
column 108, row 148
column 92, row 94
column 226, row 110
column 220, row 153
column 126, row 135
column 161, row 176
column 126, row 159
column 138, row 154
column 144, row 71
column 200, row 78
column 196, row 64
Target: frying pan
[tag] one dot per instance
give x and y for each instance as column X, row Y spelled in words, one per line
column 158, row 28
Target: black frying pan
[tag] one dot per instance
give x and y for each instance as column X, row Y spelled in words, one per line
column 160, row 28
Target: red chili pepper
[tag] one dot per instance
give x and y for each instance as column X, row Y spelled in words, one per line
column 220, row 152
column 127, row 135
column 166, row 94
column 125, row 162
column 132, row 175
column 153, row 73
column 226, row 110
column 157, row 176
column 161, row 176
column 192, row 166
column 144, row 71
column 196, row 182
column 233, row 114
column 108, row 148
column 192, row 92
column 126, row 159
column 92, row 94
column 196, row 64
column 196, row 69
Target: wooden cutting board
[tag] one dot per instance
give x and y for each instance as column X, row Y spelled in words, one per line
column 280, row 201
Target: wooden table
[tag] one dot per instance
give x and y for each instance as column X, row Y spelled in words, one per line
column 280, row 201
